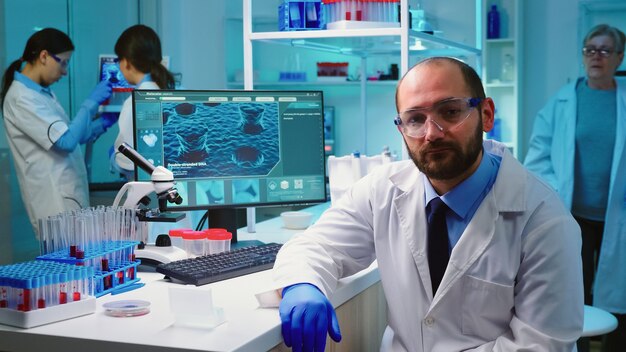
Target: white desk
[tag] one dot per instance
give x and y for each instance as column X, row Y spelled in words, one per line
column 248, row 327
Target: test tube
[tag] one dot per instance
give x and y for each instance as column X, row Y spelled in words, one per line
column 62, row 288
column 4, row 291
column 24, row 295
column 43, row 235
column 75, row 282
column 40, row 295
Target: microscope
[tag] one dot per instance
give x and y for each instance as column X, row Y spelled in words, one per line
column 137, row 197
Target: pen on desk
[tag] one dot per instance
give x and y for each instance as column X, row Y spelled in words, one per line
column 128, row 288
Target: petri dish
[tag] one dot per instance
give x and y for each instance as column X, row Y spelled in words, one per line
column 126, row 308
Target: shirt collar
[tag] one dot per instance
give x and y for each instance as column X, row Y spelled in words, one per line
column 29, row 83
column 461, row 198
column 146, row 78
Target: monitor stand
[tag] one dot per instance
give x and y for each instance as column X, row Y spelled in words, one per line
column 227, row 219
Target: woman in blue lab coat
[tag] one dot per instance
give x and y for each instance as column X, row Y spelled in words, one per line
column 139, row 52
column 45, row 145
column 578, row 146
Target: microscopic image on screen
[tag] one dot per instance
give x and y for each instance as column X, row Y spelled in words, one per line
column 220, row 139
column 210, row 192
column 111, row 71
column 246, row 191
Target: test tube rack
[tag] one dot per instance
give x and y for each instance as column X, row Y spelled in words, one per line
column 113, row 262
column 38, row 292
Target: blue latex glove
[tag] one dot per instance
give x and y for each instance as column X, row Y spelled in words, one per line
column 307, row 316
column 101, row 92
column 109, row 119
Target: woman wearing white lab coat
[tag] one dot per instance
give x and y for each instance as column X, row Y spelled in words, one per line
column 139, row 52
column 553, row 154
column 44, row 143
column 504, row 289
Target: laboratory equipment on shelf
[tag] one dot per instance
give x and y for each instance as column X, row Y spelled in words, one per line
column 345, row 170
column 163, row 185
column 493, row 23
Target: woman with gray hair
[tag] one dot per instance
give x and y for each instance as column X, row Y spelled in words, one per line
column 578, row 146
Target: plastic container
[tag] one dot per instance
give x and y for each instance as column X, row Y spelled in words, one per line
column 176, row 235
column 296, row 220
column 218, row 241
column 298, row 15
column 493, row 23
column 338, row 70
column 194, row 243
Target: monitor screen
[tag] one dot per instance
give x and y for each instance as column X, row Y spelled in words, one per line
column 110, row 70
column 232, row 148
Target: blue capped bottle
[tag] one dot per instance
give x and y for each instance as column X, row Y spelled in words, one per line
column 493, row 23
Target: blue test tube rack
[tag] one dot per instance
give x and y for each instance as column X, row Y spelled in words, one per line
column 113, row 263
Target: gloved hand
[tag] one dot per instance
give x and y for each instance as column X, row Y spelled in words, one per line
column 307, row 316
column 109, row 119
column 101, row 92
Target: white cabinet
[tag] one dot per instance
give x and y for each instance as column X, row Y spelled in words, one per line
column 458, row 36
column 502, row 67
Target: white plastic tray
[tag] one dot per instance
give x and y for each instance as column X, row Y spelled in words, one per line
column 48, row 315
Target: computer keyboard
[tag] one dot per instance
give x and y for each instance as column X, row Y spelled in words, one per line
column 216, row 267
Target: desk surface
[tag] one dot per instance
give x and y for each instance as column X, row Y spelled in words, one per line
column 247, row 327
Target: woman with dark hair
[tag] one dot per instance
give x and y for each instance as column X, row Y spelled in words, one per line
column 139, row 52
column 45, row 144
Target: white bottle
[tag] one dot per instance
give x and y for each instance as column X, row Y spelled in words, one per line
column 507, row 75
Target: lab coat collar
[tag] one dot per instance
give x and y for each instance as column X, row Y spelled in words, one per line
column 29, row 83
column 507, row 195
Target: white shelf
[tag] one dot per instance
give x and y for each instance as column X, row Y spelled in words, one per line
column 500, row 85
column 364, row 43
column 506, row 94
column 501, row 41
column 389, row 83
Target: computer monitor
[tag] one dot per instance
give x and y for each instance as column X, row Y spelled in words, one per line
column 231, row 149
column 109, row 69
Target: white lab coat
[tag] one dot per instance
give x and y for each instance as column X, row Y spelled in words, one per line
column 551, row 156
column 50, row 181
column 514, row 280
column 125, row 124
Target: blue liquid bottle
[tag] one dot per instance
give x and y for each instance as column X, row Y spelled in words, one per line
column 493, row 23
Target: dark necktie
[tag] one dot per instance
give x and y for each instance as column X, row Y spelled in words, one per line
column 437, row 242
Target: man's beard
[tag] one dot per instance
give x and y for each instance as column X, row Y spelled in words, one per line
column 452, row 162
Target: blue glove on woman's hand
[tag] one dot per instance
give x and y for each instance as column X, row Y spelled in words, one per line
column 101, row 92
column 307, row 316
column 109, row 119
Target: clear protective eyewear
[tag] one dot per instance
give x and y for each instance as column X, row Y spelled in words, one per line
column 63, row 63
column 591, row 52
column 445, row 115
